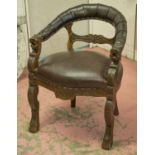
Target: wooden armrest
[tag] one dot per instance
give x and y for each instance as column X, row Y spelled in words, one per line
column 48, row 31
column 120, row 39
column 34, row 55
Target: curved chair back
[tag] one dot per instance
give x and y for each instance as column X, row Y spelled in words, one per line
column 90, row 11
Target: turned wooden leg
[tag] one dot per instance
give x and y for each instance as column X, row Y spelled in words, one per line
column 73, row 103
column 109, row 119
column 116, row 111
column 34, row 104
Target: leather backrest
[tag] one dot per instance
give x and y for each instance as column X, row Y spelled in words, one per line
column 87, row 11
column 90, row 11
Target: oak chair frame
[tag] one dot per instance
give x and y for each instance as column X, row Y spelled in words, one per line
column 111, row 107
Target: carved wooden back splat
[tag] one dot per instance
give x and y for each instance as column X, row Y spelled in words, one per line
column 90, row 38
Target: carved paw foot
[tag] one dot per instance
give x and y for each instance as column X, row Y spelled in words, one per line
column 34, row 126
column 107, row 142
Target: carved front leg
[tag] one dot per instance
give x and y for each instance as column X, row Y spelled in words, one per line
column 33, row 87
column 109, row 119
column 34, row 104
column 109, row 108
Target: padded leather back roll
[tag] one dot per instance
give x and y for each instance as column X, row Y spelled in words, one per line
column 87, row 11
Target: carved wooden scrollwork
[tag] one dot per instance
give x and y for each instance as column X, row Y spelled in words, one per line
column 34, row 56
column 90, row 38
column 111, row 79
column 112, row 74
column 93, row 38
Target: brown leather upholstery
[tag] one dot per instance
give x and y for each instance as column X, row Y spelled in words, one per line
column 77, row 70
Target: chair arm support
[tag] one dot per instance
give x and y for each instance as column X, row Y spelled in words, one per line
column 34, row 55
column 111, row 80
column 112, row 71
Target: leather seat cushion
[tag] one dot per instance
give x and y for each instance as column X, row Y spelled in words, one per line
column 77, row 69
